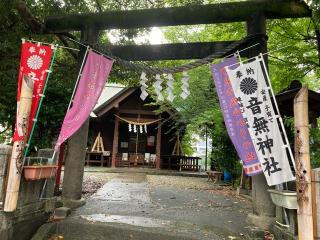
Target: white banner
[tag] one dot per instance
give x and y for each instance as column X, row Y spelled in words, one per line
column 250, row 87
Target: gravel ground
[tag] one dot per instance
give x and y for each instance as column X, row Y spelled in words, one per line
column 192, row 183
column 92, row 181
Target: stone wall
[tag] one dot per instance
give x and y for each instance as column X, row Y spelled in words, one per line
column 31, row 211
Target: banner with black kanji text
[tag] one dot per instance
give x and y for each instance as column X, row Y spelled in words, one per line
column 249, row 83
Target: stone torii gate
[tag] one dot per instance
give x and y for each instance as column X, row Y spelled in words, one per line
column 254, row 13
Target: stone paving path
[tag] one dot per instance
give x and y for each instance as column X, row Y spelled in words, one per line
column 128, row 200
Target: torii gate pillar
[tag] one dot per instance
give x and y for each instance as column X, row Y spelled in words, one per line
column 76, row 150
column 263, row 215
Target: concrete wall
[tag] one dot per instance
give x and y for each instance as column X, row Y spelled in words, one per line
column 31, row 212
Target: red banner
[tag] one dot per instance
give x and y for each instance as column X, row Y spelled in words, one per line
column 34, row 62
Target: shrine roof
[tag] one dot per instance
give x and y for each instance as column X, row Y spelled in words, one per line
column 286, row 96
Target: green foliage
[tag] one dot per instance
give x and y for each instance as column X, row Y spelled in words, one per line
column 295, row 53
column 223, row 153
column 185, row 143
column 315, row 7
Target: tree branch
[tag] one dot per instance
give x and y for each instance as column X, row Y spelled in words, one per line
column 37, row 27
column 29, row 19
column 65, row 43
column 99, row 6
column 282, row 60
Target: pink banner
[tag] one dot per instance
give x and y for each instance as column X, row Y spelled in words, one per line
column 94, row 76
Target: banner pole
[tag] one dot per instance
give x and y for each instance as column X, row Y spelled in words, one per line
column 39, row 106
column 78, row 78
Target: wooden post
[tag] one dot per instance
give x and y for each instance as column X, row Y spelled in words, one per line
column 315, row 201
column 303, row 168
column 158, row 146
column 115, row 142
column 60, row 161
column 96, row 144
column 15, row 167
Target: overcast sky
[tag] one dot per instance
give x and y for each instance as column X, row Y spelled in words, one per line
column 155, row 36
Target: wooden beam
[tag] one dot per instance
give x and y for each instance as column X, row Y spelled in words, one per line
column 176, row 51
column 186, row 15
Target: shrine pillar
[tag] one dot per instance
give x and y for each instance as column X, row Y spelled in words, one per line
column 264, row 210
column 158, row 147
column 115, row 142
column 76, row 149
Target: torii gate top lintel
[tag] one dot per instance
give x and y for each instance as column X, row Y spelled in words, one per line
column 186, row 15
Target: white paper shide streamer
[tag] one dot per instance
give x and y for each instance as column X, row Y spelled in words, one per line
column 185, row 86
column 169, row 78
column 144, row 86
column 157, row 87
column 142, row 128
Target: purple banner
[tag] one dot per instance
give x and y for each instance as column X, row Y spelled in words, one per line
column 235, row 123
column 93, row 78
